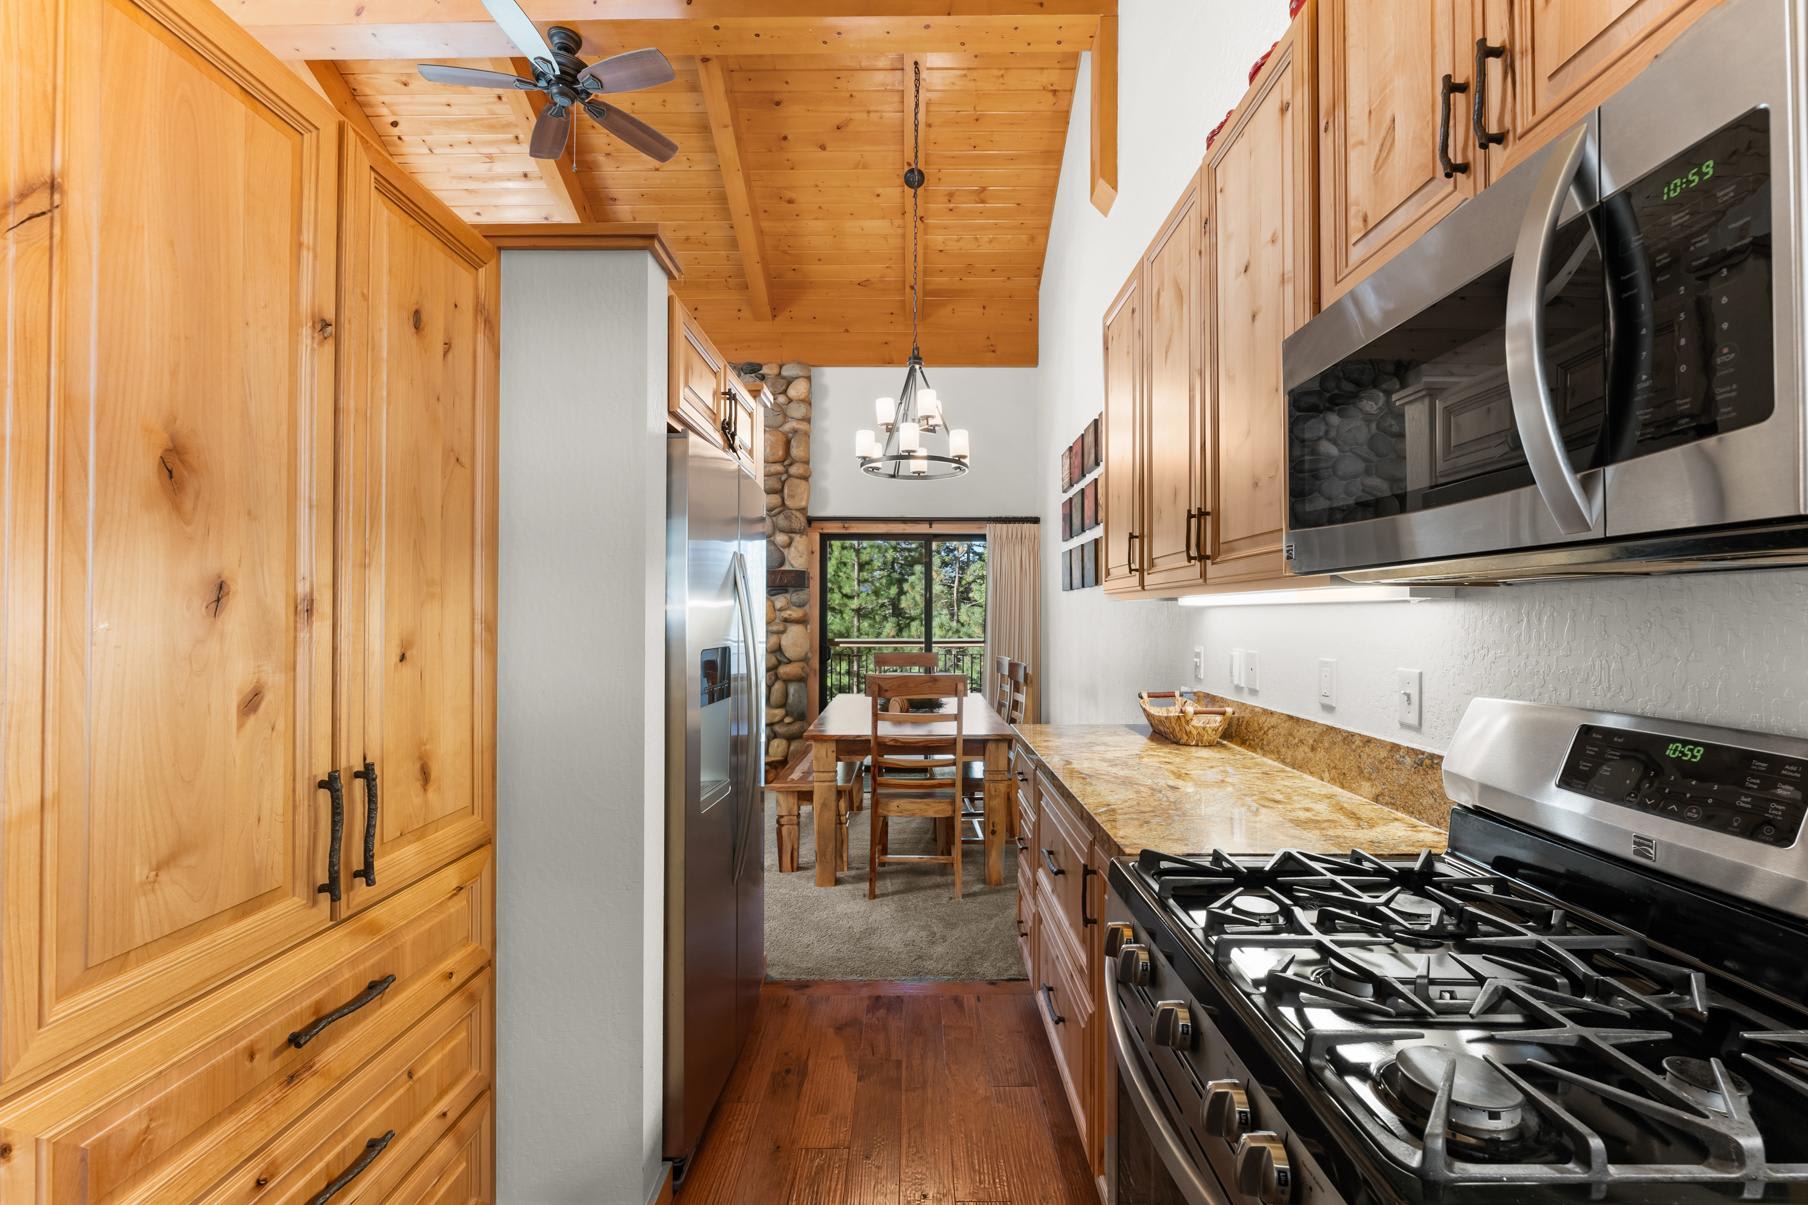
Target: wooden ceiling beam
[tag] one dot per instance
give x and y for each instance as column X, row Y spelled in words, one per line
column 330, row 84
column 570, row 203
column 1104, row 114
column 746, row 219
column 332, row 32
column 417, row 12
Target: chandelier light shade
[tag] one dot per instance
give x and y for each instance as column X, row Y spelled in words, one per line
column 897, row 448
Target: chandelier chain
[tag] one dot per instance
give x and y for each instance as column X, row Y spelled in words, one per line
column 916, row 220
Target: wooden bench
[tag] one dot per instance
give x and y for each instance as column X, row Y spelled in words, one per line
column 794, row 784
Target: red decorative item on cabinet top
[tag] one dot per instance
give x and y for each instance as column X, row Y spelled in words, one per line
column 1293, row 7
column 1257, row 68
column 1217, row 129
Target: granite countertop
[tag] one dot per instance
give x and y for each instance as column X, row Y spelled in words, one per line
column 1145, row 792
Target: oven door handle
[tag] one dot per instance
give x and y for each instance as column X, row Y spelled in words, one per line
column 1194, row 1187
column 1574, row 504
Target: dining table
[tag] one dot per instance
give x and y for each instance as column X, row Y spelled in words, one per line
column 843, row 732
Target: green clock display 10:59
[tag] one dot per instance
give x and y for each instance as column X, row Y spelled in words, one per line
column 1699, row 174
column 1678, row 751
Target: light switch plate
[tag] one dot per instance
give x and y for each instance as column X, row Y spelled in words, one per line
column 1236, row 667
column 1327, row 681
column 1409, row 689
column 1252, row 670
column 1198, row 663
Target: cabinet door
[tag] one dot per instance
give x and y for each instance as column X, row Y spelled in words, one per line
column 1565, row 57
column 1380, row 68
column 168, row 573
column 1123, row 437
column 699, row 374
column 1175, row 417
column 1261, row 289
column 418, row 645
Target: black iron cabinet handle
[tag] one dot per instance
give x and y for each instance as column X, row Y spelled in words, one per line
column 336, row 1185
column 314, row 1028
column 1048, row 990
column 1484, row 137
column 368, row 872
column 334, row 787
column 1048, row 859
column 1086, row 873
column 1444, row 92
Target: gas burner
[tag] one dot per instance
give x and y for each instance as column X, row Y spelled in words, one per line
column 1486, row 1113
column 1257, row 908
column 1695, row 1079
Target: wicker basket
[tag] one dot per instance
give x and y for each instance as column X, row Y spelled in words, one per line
column 1168, row 714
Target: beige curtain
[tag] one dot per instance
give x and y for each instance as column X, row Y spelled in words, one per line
column 1014, row 604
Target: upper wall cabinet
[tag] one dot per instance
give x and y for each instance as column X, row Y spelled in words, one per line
column 1547, row 63
column 1261, row 287
column 169, row 507
column 706, row 391
column 1395, row 151
column 1125, row 373
column 418, row 373
column 1174, row 478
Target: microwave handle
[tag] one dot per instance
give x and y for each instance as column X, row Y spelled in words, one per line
column 1573, row 503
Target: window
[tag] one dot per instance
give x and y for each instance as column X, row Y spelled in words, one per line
column 901, row 593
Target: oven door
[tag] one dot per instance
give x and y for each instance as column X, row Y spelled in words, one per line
column 1449, row 401
column 1146, row 1158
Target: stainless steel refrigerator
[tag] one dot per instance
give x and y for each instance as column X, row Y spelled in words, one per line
column 715, row 621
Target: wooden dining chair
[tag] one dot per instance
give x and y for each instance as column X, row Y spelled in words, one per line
column 886, row 662
column 1001, row 686
column 900, row 786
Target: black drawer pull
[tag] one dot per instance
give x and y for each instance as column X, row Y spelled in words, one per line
column 1086, row 873
column 1022, row 845
column 1444, row 160
column 368, row 872
column 334, row 787
column 1048, row 991
column 1048, row 859
column 1484, row 137
column 373, row 1148
column 372, row 990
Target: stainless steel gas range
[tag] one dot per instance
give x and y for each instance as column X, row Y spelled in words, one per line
column 1596, row 994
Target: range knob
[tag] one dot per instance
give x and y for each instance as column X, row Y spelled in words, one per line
column 1117, row 936
column 1133, row 965
column 1173, row 1024
column 1226, row 1110
column 1263, row 1175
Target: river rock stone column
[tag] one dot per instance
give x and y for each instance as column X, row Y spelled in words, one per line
column 785, row 474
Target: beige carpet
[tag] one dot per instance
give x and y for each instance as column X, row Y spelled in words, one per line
column 916, row 929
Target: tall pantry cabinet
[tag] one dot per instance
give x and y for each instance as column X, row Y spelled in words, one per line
column 248, row 494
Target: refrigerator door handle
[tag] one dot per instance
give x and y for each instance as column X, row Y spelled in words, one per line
column 748, row 787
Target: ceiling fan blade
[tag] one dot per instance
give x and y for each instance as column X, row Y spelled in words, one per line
column 470, row 77
column 628, row 72
column 632, row 130
column 520, row 28
column 551, row 132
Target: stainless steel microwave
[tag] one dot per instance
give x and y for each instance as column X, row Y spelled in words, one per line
column 1593, row 366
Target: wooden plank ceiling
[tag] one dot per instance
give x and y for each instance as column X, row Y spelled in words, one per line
column 785, row 204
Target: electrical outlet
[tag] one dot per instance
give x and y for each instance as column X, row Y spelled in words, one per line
column 1409, row 688
column 1327, row 681
column 1198, row 663
column 1252, row 670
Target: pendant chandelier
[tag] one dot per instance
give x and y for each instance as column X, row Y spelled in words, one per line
column 898, row 449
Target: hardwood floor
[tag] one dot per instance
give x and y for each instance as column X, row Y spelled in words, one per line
column 882, row 1093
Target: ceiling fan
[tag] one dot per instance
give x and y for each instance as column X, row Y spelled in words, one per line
column 569, row 84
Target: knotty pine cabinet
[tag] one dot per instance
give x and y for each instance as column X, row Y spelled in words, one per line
column 1195, row 416
column 1395, row 155
column 706, row 392
column 250, row 547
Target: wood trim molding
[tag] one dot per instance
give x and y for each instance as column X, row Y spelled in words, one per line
column 662, row 1194
column 585, row 236
column 330, row 84
column 745, row 218
column 1104, row 114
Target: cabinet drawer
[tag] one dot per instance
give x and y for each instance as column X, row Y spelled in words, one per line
column 385, row 1119
column 1066, row 1004
column 1023, row 793
column 163, row 1115
column 1059, row 853
column 458, row 1169
column 1026, row 912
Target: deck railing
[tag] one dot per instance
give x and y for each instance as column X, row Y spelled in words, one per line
column 849, row 661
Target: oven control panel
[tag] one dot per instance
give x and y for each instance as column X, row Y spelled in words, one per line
column 1741, row 792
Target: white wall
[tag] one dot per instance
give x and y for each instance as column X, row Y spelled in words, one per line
column 999, row 406
column 580, row 755
column 1184, row 64
column 1723, row 648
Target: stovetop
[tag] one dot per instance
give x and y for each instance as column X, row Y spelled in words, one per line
column 1480, row 1032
